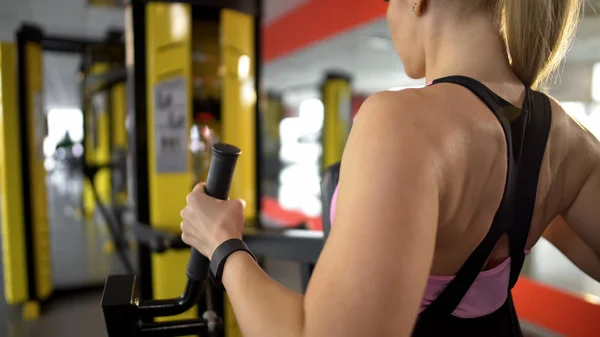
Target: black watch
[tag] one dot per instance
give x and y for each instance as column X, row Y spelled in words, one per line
column 219, row 257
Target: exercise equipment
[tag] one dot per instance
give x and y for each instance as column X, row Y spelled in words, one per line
column 187, row 59
column 272, row 112
column 103, row 79
column 14, row 261
column 337, row 101
column 329, row 183
column 25, row 213
column 102, row 84
column 112, row 216
column 123, row 311
column 27, row 266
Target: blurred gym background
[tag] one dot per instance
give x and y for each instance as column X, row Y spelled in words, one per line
column 304, row 43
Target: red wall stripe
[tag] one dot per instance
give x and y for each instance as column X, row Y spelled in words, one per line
column 556, row 310
column 315, row 21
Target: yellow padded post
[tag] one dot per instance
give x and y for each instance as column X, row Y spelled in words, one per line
column 36, row 129
column 239, row 102
column 118, row 129
column 170, row 171
column 14, row 260
column 31, row 310
column 337, row 98
column 238, row 114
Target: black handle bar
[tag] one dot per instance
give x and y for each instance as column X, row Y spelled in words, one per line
column 218, row 183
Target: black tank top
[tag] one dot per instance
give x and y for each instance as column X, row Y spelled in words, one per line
column 526, row 131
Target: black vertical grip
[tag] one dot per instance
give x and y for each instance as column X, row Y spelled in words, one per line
column 218, row 183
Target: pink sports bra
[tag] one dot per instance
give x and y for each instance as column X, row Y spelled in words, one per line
column 487, row 294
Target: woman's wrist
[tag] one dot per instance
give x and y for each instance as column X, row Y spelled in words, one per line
column 219, row 239
column 235, row 262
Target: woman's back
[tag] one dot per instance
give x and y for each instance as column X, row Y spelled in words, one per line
column 476, row 167
column 461, row 179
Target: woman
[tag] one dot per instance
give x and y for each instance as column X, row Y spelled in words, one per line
column 434, row 182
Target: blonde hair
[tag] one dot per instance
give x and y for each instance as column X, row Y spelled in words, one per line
column 537, row 33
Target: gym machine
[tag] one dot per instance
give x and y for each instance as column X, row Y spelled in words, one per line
column 187, row 60
column 25, row 218
column 272, row 112
column 123, row 310
column 25, row 242
column 102, row 80
column 337, row 99
column 191, row 68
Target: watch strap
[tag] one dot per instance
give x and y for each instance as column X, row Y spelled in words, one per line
column 219, row 257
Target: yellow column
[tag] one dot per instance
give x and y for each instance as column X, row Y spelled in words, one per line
column 239, row 102
column 36, row 133
column 337, row 101
column 14, row 260
column 97, row 144
column 170, row 174
column 118, row 129
column 238, row 117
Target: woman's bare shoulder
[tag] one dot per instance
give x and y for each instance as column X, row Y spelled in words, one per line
column 411, row 126
column 414, row 109
column 573, row 152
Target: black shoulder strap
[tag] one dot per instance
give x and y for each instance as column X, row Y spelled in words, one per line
column 493, row 101
column 526, row 137
column 530, row 162
column 451, row 296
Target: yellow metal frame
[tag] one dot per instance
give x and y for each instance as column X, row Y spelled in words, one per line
column 168, row 55
column 238, row 123
column 238, row 102
column 337, row 98
column 118, row 129
column 273, row 112
column 100, row 152
column 13, row 232
column 168, row 41
column 39, row 204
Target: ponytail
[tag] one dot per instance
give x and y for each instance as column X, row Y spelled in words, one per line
column 538, row 34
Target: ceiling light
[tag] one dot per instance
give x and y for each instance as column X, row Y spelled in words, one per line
column 591, row 298
column 179, row 21
column 379, row 42
column 243, row 67
column 596, row 82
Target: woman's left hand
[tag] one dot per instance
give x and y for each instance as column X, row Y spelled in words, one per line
column 208, row 222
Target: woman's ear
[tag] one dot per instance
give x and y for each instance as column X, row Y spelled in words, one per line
column 419, row 7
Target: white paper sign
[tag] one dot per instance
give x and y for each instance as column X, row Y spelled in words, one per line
column 170, row 126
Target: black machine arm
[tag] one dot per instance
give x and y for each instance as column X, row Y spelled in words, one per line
column 331, row 176
column 122, row 310
column 182, row 328
column 112, row 221
column 158, row 241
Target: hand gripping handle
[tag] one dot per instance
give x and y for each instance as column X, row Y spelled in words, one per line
column 218, row 183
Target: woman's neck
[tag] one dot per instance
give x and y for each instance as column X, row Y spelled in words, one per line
column 471, row 48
